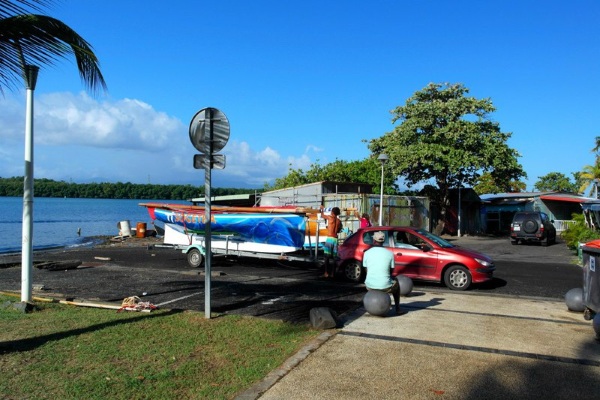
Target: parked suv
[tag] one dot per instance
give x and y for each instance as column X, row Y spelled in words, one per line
column 532, row 226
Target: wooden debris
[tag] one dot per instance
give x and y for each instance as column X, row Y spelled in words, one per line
column 58, row 265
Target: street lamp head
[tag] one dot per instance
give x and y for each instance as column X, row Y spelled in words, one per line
column 31, row 73
column 383, row 158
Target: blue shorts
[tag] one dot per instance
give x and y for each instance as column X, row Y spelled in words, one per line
column 330, row 246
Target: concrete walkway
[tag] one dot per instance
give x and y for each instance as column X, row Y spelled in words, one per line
column 448, row 346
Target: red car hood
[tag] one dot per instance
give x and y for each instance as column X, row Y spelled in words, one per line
column 468, row 252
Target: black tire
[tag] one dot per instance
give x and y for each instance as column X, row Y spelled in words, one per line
column 354, row 271
column 195, row 258
column 545, row 241
column 457, row 277
column 513, row 242
column 530, row 226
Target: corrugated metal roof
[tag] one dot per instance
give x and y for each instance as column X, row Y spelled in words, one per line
column 529, row 196
column 564, row 197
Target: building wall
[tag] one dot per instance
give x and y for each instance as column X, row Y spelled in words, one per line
column 397, row 210
column 311, row 195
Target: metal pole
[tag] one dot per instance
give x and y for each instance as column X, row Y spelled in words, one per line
column 382, row 158
column 207, row 211
column 459, row 209
column 31, row 73
column 381, row 198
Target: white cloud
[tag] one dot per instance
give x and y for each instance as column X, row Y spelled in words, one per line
column 314, row 148
column 65, row 118
column 81, row 139
column 259, row 167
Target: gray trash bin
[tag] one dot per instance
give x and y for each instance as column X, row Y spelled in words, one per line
column 591, row 281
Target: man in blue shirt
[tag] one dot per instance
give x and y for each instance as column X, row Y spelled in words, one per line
column 379, row 263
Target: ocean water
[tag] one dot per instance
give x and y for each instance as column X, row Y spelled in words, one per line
column 56, row 221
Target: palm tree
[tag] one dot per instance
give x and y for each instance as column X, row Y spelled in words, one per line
column 596, row 148
column 589, row 178
column 590, row 175
column 32, row 39
column 28, row 41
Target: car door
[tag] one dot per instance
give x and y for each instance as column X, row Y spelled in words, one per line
column 413, row 255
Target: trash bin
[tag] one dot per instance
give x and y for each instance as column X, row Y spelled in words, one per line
column 124, row 228
column 591, row 278
column 140, row 230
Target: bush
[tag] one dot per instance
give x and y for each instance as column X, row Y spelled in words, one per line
column 579, row 232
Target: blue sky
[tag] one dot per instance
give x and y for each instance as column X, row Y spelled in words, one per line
column 302, row 82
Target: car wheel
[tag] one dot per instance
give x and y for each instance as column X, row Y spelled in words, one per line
column 354, row 271
column 457, row 278
column 195, row 258
column 513, row 242
column 530, row 226
column 545, row 241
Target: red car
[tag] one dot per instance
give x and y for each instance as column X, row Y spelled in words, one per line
column 419, row 255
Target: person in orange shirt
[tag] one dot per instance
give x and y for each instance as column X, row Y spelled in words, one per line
column 334, row 226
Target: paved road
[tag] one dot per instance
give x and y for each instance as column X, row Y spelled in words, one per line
column 267, row 288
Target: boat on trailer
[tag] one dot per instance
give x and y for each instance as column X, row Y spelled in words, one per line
column 274, row 230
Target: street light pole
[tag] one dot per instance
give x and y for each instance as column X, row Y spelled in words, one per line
column 31, row 73
column 459, row 209
column 382, row 159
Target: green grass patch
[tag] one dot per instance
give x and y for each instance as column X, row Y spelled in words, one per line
column 67, row 352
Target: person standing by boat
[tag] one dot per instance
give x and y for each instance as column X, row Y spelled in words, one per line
column 334, row 226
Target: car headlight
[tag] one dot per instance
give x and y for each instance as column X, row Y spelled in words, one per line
column 484, row 262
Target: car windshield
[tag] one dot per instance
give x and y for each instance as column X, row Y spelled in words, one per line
column 434, row 238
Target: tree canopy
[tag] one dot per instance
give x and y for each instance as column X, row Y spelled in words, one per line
column 557, row 182
column 486, row 185
column 362, row 171
column 105, row 190
column 446, row 137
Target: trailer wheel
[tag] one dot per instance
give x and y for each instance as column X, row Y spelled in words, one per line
column 195, row 258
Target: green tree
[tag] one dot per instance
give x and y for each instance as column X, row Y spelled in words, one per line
column 487, row 185
column 448, row 138
column 359, row 171
column 41, row 40
column 555, row 182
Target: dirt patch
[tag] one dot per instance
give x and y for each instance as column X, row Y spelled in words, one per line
column 129, row 241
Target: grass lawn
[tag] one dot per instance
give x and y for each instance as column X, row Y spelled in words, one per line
column 66, row 352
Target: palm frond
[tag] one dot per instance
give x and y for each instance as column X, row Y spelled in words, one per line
column 41, row 40
column 16, row 7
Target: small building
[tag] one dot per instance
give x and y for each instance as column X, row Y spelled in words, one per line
column 311, row 195
column 353, row 198
column 466, row 203
column 497, row 210
column 232, row 200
